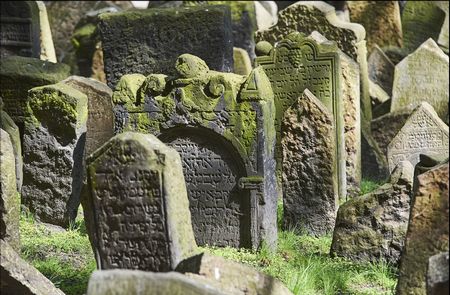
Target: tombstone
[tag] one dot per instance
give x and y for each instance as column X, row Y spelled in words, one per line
column 308, row 16
column 137, row 208
column 443, row 35
column 421, row 20
column 222, row 126
column 437, row 274
column 266, row 14
column 53, row 148
column 241, row 61
column 428, row 229
column 149, row 41
column 25, row 30
column 381, row 20
column 423, row 133
column 9, row 196
column 421, row 77
column 381, row 69
column 377, row 96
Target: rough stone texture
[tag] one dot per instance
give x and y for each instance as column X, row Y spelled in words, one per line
column 377, row 95
column 437, row 274
column 310, row 195
column 137, row 208
column 149, row 41
column 222, row 126
column 421, row 77
column 372, row 227
column 443, row 35
column 394, row 53
column 423, row 133
column 381, row 69
column 381, row 19
column 241, row 61
column 230, row 277
column 9, row 197
column 421, row 20
column 374, row 162
column 428, row 229
column 382, row 109
column 53, row 147
column 19, row 277
column 136, row 282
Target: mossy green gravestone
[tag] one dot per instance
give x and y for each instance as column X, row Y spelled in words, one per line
column 53, row 147
column 137, row 210
column 222, row 125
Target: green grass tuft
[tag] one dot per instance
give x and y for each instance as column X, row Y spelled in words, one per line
column 368, row 186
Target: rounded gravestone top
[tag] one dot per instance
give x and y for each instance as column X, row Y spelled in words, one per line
column 263, row 48
column 189, row 66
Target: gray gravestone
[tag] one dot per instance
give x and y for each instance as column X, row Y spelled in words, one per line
column 137, row 210
column 381, row 69
column 437, row 274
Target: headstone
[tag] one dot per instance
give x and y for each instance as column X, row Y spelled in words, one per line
column 372, row 227
column 421, row 76
column 377, row 95
column 9, row 196
column 25, row 30
column 222, row 126
column 138, row 201
column 374, row 164
column 421, row 20
column 423, row 133
column 241, row 61
column 443, row 35
column 266, row 14
column 53, row 147
column 229, row 276
column 428, row 229
column 19, row 277
column 394, row 53
column 149, row 41
column 310, row 195
column 381, row 69
column 437, row 274
column 381, row 19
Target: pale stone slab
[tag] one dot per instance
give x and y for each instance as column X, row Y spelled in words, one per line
column 266, row 14
column 241, row 62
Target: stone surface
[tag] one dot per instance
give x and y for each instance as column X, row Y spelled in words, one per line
column 137, row 208
column 149, row 41
column 372, row 227
column 381, row 19
column 423, row 133
column 310, row 195
column 437, row 274
column 443, row 35
column 421, row 20
column 381, row 69
column 377, row 95
column 136, row 282
column 374, row 162
column 241, row 62
column 53, row 148
column 266, row 14
column 222, row 126
column 229, row 276
column 9, row 196
column 420, row 77
column 19, row 277
column 428, row 229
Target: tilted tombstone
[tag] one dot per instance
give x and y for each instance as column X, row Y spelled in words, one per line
column 25, row 30
column 423, row 133
column 381, row 69
column 423, row 76
column 137, row 209
column 149, row 41
column 241, row 61
column 443, row 35
column 222, row 126
column 53, row 147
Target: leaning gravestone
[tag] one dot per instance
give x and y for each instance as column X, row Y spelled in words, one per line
column 137, row 209
column 381, row 69
column 423, row 133
column 222, row 126
column 53, row 147
column 423, row 76
column 149, row 41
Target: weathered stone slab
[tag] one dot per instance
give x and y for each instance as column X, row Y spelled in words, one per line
column 381, row 19
column 443, row 35
column 423, row 133
column 437, row 274
column 372, row 227
column 421, row 20
column 421, row 76
column 310, row 189
column 428, row 229
column 222, row 126
column 266, row 14
column 53, row 148
column 149, row 41
column 229, row 276
column 137, row 208
column 377, row 95
column 241, row 61
column 9, row 196
column 381, row 69
column 136, row 282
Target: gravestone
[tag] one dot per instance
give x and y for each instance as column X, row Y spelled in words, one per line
column 25, row 30
column 149, row 41
column 443, row 35
column 266, row 14
column 310, row 184
column 137, row 208
column 222, row 126
column 241, row 61
column 381, row 69
column 437, row 274
column 421, row 20
column 428, row 229
column 423, row 133
column 53, row 147
column 421, row 76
